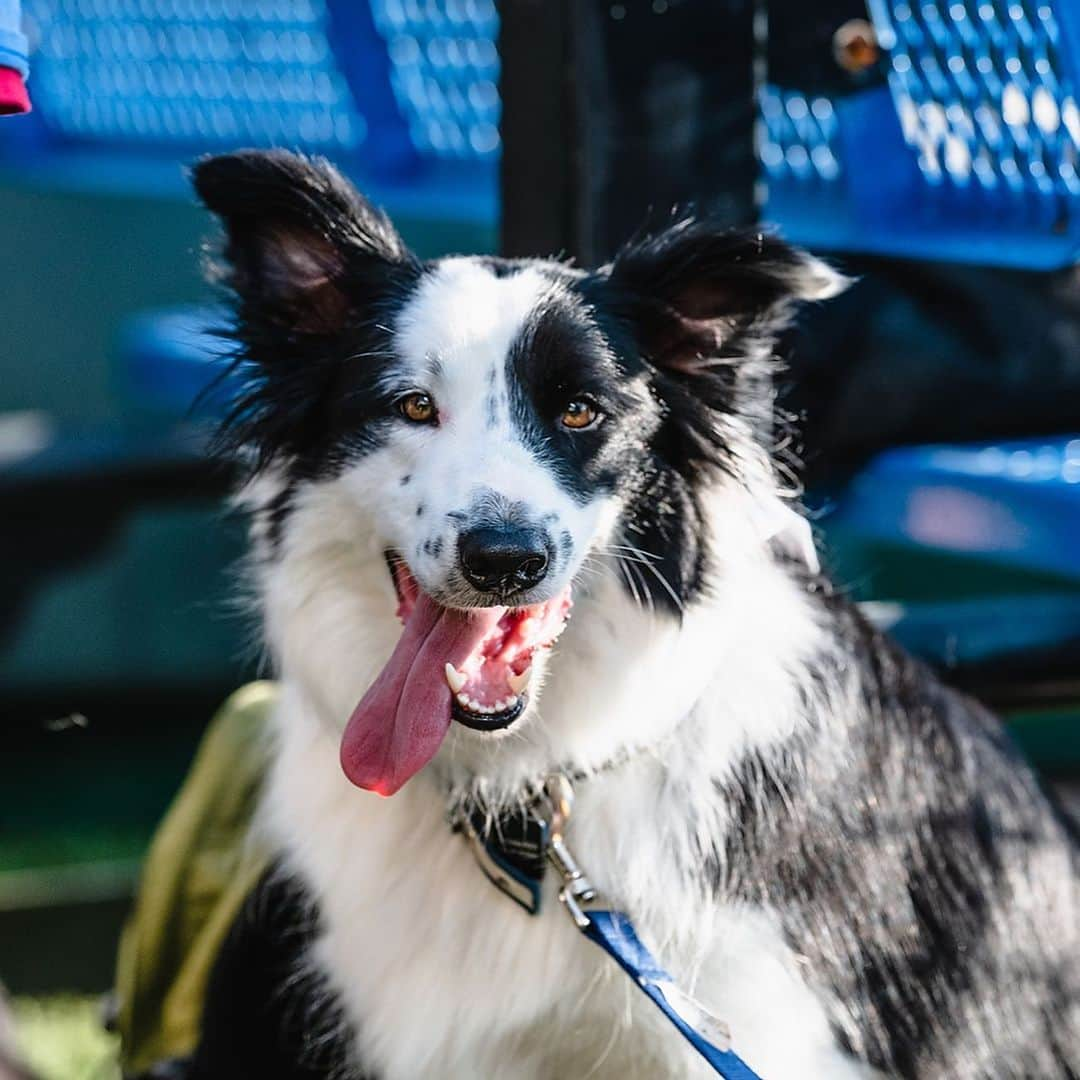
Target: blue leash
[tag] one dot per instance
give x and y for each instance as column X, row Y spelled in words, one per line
column 514, row 860
column 615, row 934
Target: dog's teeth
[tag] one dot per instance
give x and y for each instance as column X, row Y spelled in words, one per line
column 519, row 682
column 484, row 710
column 454, row 679
column 463, row 700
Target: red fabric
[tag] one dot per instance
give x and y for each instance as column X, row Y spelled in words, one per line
column 13, row 96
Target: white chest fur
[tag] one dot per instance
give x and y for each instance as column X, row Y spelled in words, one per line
column 442, row 976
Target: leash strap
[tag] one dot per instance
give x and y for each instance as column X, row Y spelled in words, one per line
column 513, row 856
column 615, row 934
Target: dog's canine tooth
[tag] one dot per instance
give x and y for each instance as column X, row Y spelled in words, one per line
column 519, row 682
column 454, row 679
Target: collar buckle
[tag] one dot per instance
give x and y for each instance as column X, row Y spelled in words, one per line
column 514, row 850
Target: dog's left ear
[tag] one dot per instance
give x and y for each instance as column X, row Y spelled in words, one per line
column 698, row 292
column 303, row 249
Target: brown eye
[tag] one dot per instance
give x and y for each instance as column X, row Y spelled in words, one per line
column 579, row 414
column 419, row 408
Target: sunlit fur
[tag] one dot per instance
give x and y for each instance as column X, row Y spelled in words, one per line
column 836, row 854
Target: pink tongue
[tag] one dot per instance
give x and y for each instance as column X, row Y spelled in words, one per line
column 402, row 720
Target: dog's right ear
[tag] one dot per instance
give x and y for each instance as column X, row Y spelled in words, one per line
column 303, row 248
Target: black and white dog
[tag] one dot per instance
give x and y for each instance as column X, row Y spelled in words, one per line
column 836, row 853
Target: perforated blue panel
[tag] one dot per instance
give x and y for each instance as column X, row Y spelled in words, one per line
column 445, row 73
column 982, row 93
column 402, row 93
column 206, row 73
column 972, row 153
column 798, row 135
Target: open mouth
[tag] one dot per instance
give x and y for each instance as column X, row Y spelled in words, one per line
column 490, row 687
column 472, row 665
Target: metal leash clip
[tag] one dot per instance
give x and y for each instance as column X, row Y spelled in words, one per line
column 516, row 866
column 615, row 933
column 555, row 804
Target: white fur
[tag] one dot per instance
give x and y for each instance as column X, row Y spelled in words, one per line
column 441, row 975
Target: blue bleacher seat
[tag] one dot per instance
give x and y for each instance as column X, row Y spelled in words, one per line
column 969, row 152
column 969, row 149
column 401, row 93
column 1014, row 504
column 1007, row 513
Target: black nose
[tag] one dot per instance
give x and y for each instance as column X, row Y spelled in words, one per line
column 504, row 559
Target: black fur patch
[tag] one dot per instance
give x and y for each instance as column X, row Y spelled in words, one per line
column 669, row 339
column 561, row 354
column 275, row 513
column 893, row 844
column 266, row 1013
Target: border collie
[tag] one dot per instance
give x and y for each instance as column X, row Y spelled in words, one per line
column 839, row 855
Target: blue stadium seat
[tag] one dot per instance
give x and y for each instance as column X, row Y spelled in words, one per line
column 972, row 545
column 401, row 93
column 1015, row 505
column 970, row 152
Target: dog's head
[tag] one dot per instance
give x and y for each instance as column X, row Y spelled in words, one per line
column 490, row 433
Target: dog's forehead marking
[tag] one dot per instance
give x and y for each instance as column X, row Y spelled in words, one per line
column 469, row 317
column 473, row 319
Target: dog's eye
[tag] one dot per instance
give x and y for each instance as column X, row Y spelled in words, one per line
column 418, row 408
column 580, row 413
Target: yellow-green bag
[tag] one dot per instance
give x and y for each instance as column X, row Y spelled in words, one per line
column 200, row 867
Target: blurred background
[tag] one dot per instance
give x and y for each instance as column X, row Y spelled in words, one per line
column 930, row 148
